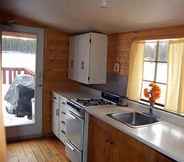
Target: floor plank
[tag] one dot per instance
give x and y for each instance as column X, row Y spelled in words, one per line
column 38, row 150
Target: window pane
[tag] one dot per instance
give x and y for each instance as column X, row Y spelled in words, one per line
column 150, row 51
column 161, row 100
column 163, row 51
column 149, row 71
column 161, row 73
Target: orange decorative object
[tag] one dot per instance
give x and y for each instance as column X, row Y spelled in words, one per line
column 153, row 93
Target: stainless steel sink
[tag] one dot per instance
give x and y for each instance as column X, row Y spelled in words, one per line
column 133, row 119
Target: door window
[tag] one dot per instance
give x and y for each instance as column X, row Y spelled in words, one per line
column 18, row 86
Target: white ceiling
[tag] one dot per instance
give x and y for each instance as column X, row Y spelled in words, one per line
column 86, row 15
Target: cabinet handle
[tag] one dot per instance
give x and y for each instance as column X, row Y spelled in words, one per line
column 82, row 65
column 63, row 103
column 57, row 112
column 63, row 113
column 109, row 141
column 54, row 98
column 63, row 132
column 63, row 122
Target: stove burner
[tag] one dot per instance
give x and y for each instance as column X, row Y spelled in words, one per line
column 93, row 102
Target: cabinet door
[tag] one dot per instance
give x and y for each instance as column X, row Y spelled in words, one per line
column 73, row 59
column 107, row 144
column 99, row 149
column 98, row 59
column 83, row 57
column 79, row 58
column 130, row 150
column 55, row 118
column 62, row 107
column 62, row 119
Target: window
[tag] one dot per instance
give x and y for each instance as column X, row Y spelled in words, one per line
column 161, row 61
column 155, row 67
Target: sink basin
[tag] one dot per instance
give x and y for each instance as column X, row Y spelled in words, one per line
column 133, row 119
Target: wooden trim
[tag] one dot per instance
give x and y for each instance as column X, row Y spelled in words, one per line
column 3, row 150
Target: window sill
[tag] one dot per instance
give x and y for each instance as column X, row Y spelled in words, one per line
column 155, row 106
column 161, row 108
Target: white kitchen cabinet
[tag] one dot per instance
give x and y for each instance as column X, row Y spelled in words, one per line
column 55, row 115
column 88, row 58
column 58, row 116
column 62, row 119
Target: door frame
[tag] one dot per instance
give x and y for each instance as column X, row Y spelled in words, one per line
column 30, row 130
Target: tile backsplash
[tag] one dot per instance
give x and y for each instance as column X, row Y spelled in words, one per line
column 116, row 84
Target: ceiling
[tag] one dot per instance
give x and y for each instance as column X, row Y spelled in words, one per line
column 87, row 15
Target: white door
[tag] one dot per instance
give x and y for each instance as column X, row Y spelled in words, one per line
column 23, row 109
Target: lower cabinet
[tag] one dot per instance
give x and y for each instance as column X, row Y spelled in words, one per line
column 107, row 144
column 62, row 119
column 58, row 116
column 55, row 115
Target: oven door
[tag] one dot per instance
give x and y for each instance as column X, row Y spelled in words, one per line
column 74, row 128
column 72, row 153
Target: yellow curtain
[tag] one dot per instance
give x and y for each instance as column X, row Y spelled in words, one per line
column 136, row 63
column 175, row 87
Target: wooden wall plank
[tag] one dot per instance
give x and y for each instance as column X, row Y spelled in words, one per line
column 119, row 44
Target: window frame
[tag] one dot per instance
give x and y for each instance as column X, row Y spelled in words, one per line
column 156, row 61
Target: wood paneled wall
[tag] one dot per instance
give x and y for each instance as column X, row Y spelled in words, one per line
column 55, row 63
column 55, row 69
column 120, row 44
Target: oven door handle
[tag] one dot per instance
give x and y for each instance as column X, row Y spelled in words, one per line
column 70, row 115
column 74, row 115
column 70, row 146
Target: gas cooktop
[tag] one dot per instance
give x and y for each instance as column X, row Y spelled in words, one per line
column 93, row 102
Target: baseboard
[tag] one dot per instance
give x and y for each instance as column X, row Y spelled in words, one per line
column 17, row 139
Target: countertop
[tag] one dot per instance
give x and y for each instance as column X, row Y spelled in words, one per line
column 164, row 137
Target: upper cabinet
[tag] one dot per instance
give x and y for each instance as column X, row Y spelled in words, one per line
column 88, row 58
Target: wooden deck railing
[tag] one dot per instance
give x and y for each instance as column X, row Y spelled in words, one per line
column 9, row 74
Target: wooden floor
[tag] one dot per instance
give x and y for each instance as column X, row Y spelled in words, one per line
column 38, row 150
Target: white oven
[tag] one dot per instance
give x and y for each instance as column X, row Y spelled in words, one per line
column 73, row 153
column 74, row 131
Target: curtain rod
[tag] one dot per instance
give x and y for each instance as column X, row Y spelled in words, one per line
column 156, row 40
